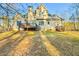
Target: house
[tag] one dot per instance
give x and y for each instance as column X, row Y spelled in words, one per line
column 40, row 17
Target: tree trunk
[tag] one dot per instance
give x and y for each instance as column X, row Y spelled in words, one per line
column 75, row 26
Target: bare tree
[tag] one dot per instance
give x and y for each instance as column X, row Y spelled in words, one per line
column 75, row 16
column 74, row 21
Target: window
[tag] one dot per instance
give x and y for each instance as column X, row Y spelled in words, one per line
column 48, row 22
column 41, row 22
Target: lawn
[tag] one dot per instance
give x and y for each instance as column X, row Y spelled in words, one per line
column 37, row 48
column 67, row 42
column 6, row 34
column 70, row 26
column 46, row 43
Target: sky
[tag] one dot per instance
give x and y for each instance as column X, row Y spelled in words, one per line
column 60, row 9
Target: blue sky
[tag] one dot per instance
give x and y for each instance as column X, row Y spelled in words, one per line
column 52, row 7
column 61, row 9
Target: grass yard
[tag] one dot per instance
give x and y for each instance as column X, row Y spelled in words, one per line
column 37, row 43
column 69, row 26
column 66, row 42
column 6, row 34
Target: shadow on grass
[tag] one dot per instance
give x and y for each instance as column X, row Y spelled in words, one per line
column 4, row 50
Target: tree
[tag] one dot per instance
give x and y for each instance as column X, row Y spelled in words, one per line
column 75, row 15
column 7, row 12
column 74, row 21
column 76, row 10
